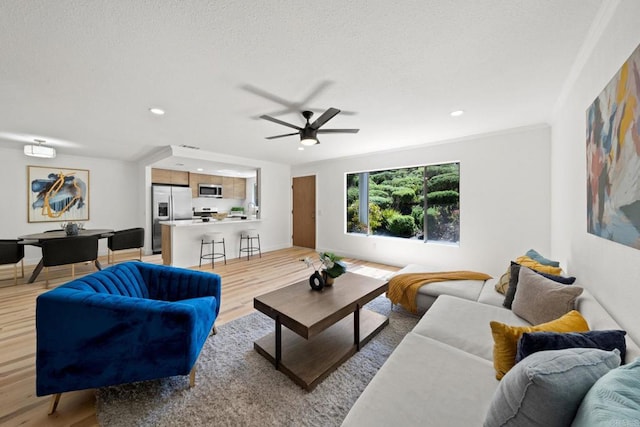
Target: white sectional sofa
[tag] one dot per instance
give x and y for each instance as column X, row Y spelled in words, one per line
column 442, row 373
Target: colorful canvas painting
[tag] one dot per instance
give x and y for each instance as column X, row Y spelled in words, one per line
column 58, row 194
column 613, row 158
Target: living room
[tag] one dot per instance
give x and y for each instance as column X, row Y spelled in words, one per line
column 522, row 186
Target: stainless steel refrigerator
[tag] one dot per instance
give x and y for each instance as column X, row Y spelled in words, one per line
column 168, row 203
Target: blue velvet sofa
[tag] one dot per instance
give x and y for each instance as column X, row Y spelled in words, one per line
column 131, row 322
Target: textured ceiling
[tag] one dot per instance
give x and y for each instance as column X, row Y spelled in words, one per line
column 82, row 74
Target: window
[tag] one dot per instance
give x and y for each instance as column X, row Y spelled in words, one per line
column 393, row 203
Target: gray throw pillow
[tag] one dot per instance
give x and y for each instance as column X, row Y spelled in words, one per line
column 546, row 388
column 540, row 300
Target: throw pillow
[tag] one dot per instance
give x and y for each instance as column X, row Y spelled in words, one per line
column 534, row 342
column 534, row 255
column 614, row 400
column 539, row 299
column 546, row 388
column 503, row 283
column 505, row 337
column 513, row 282
column 535, row 265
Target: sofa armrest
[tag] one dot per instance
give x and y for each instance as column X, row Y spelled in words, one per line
column 89, row 339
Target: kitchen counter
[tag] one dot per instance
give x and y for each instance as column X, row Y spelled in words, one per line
column 181, row 239
column 212, row 221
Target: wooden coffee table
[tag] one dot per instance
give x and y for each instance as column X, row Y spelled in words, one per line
column 322, row 329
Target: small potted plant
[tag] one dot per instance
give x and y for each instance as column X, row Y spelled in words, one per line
column 333, row 267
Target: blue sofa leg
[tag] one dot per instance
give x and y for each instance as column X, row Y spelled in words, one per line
column 53, row 405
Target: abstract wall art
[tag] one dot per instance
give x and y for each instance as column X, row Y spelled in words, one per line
column 57, row 194
column 613, row 157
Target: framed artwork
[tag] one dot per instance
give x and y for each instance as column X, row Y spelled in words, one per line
column 613, row 157
column 57, row 194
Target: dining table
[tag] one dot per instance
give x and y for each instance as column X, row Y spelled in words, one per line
column 36, row 239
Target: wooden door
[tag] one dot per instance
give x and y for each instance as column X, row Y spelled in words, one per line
column 304, row 211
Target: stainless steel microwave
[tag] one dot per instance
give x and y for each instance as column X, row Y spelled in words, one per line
column 210, row 190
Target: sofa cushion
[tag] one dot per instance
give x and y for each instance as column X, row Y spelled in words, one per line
column 506, row 337
column 546, row 388
column 614, row 400
column 540, row 300
column 489, row 295
column 464, row 324
column 599, row 318
column 426, row 382
column 534, row 342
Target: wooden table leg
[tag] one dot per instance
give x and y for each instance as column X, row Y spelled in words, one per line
column 278, row 342
column 36, row 271
column 356, row 327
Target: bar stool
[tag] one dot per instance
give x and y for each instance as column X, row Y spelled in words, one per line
column 250, row 248
column 213, row 239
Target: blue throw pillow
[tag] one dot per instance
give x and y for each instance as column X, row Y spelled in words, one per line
column 533, row 254
column 614, row 400
column 546, row 388
column 532, row 342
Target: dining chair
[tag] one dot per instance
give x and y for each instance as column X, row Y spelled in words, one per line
column 12, row 252
column 68, row 250
column 131, row 238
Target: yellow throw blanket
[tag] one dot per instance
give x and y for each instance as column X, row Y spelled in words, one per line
column 403, row 288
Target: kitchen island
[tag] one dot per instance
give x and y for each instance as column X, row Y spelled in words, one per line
column 181, row 239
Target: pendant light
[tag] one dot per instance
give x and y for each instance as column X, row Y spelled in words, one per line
column 39, row 150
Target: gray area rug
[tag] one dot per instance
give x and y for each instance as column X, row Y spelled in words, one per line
column 235, row 386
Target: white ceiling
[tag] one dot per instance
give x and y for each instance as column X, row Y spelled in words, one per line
column 83, row 74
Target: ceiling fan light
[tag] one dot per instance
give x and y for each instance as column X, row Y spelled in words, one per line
column 308, row 141
column 33, row 150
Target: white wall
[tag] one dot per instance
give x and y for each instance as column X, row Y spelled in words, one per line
column 504, row 198
column 609, row 270
column 113, row 193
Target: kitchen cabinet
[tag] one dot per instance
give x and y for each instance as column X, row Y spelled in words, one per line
column 233, row 188
column 169, row 177
column 228, row 191
column 239, row 188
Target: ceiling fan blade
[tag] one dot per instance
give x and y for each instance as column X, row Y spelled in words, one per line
column 338, row 130
column 325, row 117
column 282, row 136
column 280, row 122
column 292, row 106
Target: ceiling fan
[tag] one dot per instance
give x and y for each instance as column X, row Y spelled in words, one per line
column 308, row 134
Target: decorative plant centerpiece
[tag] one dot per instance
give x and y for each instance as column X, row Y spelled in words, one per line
column 333, row 267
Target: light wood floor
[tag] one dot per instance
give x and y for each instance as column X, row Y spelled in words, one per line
column 19, row 406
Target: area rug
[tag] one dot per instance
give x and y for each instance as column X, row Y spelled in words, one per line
column 235, row 386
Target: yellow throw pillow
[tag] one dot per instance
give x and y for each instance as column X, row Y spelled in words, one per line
column 535, row 265
column 505, row 337
column 503, row 283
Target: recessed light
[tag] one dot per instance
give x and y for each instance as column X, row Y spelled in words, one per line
column 457, row 113
column 300, row 148
column 157, row 111
column 199, row 169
